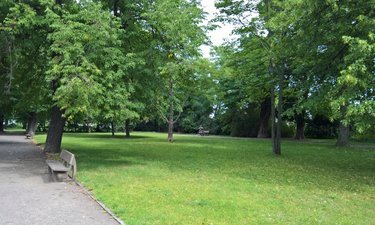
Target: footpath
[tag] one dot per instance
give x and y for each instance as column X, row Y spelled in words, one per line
column 28, row 195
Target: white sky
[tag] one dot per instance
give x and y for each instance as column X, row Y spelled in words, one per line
column 219, row 35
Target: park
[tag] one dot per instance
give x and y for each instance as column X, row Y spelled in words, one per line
column 111, row 112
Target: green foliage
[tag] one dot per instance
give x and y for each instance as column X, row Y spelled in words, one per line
column 86, row 60
column 358, row 80
column 144, row 61
column 87, row 66
column 325, row 48
column 177, row 26
column 177, row 35
column 26, row 57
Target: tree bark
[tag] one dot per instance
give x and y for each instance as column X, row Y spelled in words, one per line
column 273, row 119
column 276, row 119
column 343, row 136
column 31, row 124
column 170, row 131
column 344, row 130
column 277, row 149
column 300, row 129
column 88, row 127
column 127, row 128
column 265, row 112
column 1, row 123
column 55, row 131
column 113, row 128
column 171, row 112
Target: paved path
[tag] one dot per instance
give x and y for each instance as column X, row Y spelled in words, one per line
column 28, row 195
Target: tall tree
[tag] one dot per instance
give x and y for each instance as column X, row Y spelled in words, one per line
column 26, row 87
column 177, row 35
column 6, row 63
column 272, row 39
column 338, row 75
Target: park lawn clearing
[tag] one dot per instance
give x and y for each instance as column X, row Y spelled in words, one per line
column 222, row 180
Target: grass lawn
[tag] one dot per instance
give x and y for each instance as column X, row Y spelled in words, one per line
column 219, row 180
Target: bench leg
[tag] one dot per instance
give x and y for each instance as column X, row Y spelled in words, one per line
column 61, row 176
column 57, row 176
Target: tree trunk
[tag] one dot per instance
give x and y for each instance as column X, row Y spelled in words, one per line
column 276, row 119
column 127, row 128
column 115, row 8
column 277, row 149
column 88, row 127
column 300, row 129
column 32, row 124
column 171, row 112
column 273, row 119
column 55, row 131
column 170, row 131
column 113, row 128
column 265, row 112
column 344, row 130
column 1, row 123
column 343, row 136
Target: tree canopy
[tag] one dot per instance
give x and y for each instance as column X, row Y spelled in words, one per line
column 294, row 65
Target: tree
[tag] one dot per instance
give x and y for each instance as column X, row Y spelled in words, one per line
column 31, row 93
column 26, row 56
column 328, row 59
column 272, row 38
column 317, row 67
column 6, row 64
column 249, row 63
column 85, row 61
column 177, row 35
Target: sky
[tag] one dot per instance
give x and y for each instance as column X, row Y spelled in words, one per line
column 219, row 35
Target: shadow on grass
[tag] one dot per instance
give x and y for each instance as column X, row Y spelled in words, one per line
column 94, row 163
column 311, row 163
column 104, row 136
column 323, row 169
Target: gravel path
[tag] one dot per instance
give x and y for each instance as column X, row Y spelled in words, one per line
column 29, row 196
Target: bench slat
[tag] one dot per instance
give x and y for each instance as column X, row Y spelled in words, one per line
column 67, row 156
column 57, row 166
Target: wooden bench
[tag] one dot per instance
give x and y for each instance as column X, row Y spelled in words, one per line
column 64, row 167
column 204, row 132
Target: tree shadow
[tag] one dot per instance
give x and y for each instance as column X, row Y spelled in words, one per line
column 310, row 164
column 104, row 136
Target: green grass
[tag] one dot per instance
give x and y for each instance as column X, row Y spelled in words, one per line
column 218, row 180
column 15, row 130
